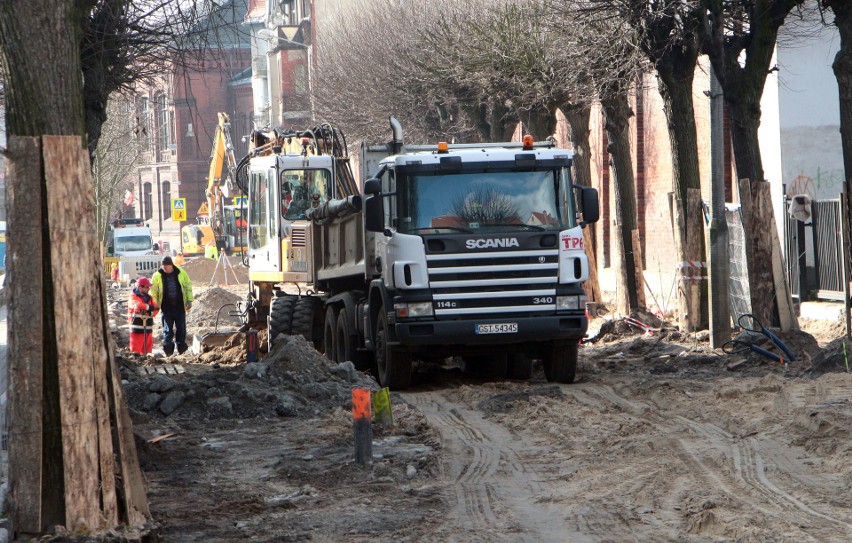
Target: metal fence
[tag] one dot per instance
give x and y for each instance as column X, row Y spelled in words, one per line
column 828, row 250
column 739, row 294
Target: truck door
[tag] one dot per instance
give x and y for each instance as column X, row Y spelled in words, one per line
column 264, row 224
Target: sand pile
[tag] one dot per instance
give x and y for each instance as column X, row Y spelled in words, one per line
column 292, row 380
column 210, row 303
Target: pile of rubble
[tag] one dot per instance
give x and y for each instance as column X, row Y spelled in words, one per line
column 292, row 380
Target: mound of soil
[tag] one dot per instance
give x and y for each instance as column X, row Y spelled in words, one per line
column 833, row 358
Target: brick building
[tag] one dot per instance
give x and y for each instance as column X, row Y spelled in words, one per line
column 652, row 168
column 179, row 113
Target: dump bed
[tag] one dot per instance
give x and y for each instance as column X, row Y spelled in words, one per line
column 339, row 251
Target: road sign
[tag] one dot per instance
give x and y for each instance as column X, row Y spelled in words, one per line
column 178, row 209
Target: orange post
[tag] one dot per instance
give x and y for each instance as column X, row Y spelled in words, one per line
column 363, row 425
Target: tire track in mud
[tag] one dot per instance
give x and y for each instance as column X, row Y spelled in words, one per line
column 738, row 465
column 501, row 495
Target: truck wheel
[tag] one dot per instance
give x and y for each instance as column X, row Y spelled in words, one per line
column 519, row 367
column 487, row 366
column 307, row 320
column 280, row 319
column 345, row 345
column 329, row 330
column 393, row 366
column 560, row 361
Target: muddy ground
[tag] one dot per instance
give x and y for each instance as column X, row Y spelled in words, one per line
column 660, row 439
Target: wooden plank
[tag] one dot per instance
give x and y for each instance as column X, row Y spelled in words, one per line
column 637, row 269
column 786, row 314
column 132, row 487
column 761, row 280
column 109, row 499
column 592, row 287
column 24, row 191
column 679, row 234
column 694, row 244
column 66, row 172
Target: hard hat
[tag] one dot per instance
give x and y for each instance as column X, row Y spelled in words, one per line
column 144, row 282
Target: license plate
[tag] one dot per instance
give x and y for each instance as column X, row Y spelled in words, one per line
column 503, row 328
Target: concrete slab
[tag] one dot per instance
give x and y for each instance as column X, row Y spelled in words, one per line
column 827, row 311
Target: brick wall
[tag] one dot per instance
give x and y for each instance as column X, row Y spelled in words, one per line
column 196, row 94
column 654, row 182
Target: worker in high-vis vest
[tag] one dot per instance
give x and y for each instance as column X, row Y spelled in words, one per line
column 141, row 310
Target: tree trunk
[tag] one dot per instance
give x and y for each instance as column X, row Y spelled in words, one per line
column 676, row 91
column 539, row 121
column 745, row 121
column 617, row 113
column 578, row 132
column 843, row 72
column 70, row 457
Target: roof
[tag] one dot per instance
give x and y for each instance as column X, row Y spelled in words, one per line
column 219, row 26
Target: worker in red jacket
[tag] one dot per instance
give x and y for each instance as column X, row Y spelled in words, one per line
column 141, row 310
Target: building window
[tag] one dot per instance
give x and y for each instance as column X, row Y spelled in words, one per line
column 165, row 124
column 143, row 128
column 165, row 190
column 147, row 207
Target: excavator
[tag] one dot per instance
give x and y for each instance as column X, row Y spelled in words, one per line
column 224, row 225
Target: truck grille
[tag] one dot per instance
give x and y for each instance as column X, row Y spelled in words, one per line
column 514, row 282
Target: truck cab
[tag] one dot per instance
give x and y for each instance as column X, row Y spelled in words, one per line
column 480, row 251
column 130, row 240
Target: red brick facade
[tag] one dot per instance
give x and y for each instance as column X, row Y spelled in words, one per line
column 181, row 116
column 652, row 165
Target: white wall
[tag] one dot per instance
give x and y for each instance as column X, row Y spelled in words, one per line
column 811, row 155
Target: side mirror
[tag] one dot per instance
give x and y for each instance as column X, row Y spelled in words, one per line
column 590, row 206
column 374, row 214
column 156, row 247
column 373, row 186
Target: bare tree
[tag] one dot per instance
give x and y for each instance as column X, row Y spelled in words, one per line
column 125, row 41
column 614, row 66
column 471, row 74
column 668, row 32
column 740, row 37
column 842, row 66
column 116, row 157
column 72, row 458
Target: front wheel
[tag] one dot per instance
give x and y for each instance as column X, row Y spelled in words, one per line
column 280, row 320
column 308, row 321
column 560, row 361
column 394, row 366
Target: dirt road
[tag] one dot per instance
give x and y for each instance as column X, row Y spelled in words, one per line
column 613, row 459
column 657, row 441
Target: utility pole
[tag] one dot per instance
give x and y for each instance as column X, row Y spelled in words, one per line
column 720, row 317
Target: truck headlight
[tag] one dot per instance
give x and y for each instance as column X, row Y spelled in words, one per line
column 413, row 309
column 569, row 302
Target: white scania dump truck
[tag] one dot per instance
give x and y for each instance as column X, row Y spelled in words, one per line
column 458, row 250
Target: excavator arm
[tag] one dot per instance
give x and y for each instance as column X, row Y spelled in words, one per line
column 219, row 186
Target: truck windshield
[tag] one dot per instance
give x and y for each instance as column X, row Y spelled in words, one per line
column 297, row 187
column 486, row 202
column 132, row 243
